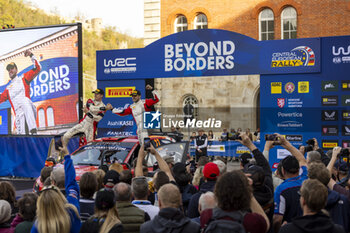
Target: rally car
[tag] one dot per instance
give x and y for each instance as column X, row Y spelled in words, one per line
column 102, row 152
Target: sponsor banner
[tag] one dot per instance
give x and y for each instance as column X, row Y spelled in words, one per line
column 345, row 85
column 346, row 130
column 329, row 115
column 331, row 85
column 290, row 102
column 330, row 130
column 209, row 52
column 346, row 115
column 345, row 100
column 225, row 149
column 329, row 144
column 329, row 100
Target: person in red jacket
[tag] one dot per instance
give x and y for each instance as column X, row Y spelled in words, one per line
column 137, row 109
column 18, row 93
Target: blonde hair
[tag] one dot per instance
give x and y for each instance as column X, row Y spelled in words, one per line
column 116, row 167
column 198, row 174
column 112, row 218
column 52, row 215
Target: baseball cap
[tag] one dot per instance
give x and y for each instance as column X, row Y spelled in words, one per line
column 169, row 159
column 290, row 164
column 135, row 92
column 244, row 158
column 111, row 177
column 98, row 91
column 5, row 211
column 211, row 171
column 10, row 66
column 104, row 199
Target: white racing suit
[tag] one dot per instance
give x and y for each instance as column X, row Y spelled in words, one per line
column 88, row 124
column 18, row 93
column 137, row 110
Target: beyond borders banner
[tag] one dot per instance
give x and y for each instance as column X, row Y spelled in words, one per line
column 209, row 52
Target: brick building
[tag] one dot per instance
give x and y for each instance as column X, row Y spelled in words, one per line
column 259, row 19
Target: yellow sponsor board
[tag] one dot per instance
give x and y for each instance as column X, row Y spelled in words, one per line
column 303, row 87
column 116, row 92
column 0, row 120
column 276, row 88
column 329, row 144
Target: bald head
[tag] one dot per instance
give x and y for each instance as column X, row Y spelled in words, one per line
column 169, row 196
column 206, row 201
column 122, row 192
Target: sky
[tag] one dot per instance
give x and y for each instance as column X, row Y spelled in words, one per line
column 23, row 37
column 125, row 15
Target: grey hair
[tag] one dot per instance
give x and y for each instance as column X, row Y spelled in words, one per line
column 57, row 176
column 207, row 201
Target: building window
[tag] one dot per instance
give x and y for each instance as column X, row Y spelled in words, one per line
column 41, row 116
column 190, row 105
column 266, row 25
column 201, row 22
column 50, row 117
column 180, row 24
column 289, row 23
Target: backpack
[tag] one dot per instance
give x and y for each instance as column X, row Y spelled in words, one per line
column 225, row 222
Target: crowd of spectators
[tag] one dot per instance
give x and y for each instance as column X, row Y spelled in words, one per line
column 308, row 192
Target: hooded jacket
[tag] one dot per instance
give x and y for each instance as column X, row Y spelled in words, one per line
column 317, row 223
column 338, row 208
column 170, row 220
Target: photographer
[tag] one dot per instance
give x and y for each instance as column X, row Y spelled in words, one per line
column 312, row 145
column 332, row 183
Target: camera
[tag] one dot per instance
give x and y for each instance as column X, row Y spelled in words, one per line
column 272, row 137
column 310, row 145
column 344, row 152
column 147, row 143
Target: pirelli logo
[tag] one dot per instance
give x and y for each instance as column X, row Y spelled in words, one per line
column 115, row 92
column 329, row 144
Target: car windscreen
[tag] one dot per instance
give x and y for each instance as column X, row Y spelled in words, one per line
column 175, row 150
column 92, row 153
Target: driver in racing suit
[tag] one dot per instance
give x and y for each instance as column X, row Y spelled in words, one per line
column 94, row 112
column 18, row 93
column 137, row 109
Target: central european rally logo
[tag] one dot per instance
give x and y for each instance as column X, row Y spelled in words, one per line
column 299, row 56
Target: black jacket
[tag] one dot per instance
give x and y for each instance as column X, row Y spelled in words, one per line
column 318, row 223
column 170, row 220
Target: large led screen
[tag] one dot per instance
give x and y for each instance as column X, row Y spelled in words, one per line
column 40, row 79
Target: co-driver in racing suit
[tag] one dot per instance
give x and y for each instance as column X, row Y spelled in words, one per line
column 18, row 93
column 137, row 109
column 94, row 112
